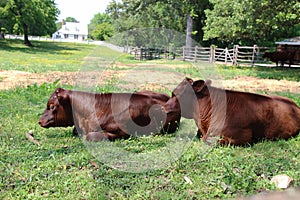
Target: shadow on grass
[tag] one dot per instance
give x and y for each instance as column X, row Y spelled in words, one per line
column 17, row 45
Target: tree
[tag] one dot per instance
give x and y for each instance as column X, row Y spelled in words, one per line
column 71, row 19
column 5, row 19
column 35, row 17
column 169, row 14
column 103, row 31
column 98, row 19
column 251, row 21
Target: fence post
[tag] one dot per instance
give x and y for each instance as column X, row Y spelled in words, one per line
column 212, row 54
column 195, row 55
column 253, row 55
column 183, row 53
column 141, row 53
column 235, row 54
column 226, row 55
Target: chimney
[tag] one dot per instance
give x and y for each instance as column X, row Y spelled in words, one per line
column 63, row 22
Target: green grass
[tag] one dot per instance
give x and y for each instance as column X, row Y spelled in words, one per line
column 228, row 72
column 49, row 56
column 63, row 167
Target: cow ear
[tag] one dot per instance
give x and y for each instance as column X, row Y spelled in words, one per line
column 62, row 95
column 200, row 86
column 189, row 80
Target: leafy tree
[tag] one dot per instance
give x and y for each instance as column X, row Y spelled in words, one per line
column 71, row 19
column 97, row 20
column 251, row 21
column 5, row 18
column 170, row 14
column 103, row 31
column 35, row 17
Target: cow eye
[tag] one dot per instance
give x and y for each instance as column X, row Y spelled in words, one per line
column 51, row 107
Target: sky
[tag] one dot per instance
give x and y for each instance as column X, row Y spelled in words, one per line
column 81, row 10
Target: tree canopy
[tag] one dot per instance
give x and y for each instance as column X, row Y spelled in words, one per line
column 217, row 21
column 170, row 14
column 29, row 17
column 220, row 22
column 100, row 27
column 251, row 21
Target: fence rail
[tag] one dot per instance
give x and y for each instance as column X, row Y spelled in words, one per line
column 238, row 55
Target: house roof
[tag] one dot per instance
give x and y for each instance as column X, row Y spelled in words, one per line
column 74, row 28
column 290, row 41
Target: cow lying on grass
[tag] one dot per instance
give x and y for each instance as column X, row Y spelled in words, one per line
column 108, row 116
column 281, row 56
column 233, row 117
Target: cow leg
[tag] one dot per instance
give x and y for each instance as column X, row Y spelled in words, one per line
column 290, row 62
column 239, row 137
column 103, row 135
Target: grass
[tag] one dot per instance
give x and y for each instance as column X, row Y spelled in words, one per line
column 45, row 56
column 230, row 72
column 64, row 167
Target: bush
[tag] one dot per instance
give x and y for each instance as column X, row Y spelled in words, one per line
column 103, row 31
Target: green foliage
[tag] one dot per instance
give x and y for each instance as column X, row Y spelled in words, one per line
column 98, row 18
column 231, row 72
column 216, row 21
column 102, row 31
column 128, row 15
column 30, row 17
column 253, row 21
column 71, row 19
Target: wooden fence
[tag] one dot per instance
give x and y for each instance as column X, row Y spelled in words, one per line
column 238, row 55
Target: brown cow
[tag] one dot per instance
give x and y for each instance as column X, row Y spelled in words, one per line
column 110, row 115
column 234, row 117
column 281, row 56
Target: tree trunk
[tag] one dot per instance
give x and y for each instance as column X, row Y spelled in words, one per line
column 26, row 40
column 189, row 30
column 2, row 35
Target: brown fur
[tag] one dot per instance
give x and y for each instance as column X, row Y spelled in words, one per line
column 108, row 116
column 281, row 56
column 237, row 118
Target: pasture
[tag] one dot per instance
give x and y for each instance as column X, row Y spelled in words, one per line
column 62, row 166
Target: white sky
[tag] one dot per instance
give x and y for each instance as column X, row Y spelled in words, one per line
column 81, row 10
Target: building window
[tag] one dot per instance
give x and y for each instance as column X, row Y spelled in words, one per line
column 76, row 37
column 66, row 36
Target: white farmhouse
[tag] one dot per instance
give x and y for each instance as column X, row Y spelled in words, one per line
column 71, row 31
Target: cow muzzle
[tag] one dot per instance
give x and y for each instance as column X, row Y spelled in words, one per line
column 45, row 123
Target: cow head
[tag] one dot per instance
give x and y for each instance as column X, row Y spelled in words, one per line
column 184, row 97
column 181, row 100
column 59, row 111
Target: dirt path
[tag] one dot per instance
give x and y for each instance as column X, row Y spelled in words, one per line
column 139, row 79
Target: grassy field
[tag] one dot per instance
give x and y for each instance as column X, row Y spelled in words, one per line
column 62, row 166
